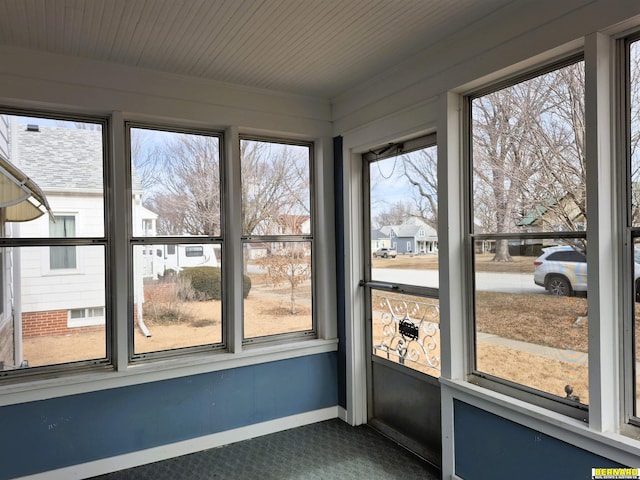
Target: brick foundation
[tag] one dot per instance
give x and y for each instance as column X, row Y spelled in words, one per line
column 51, row 322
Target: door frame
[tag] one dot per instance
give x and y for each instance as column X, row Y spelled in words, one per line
column 369, row 285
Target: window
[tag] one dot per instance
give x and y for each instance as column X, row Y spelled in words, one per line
column 84, row 317
column 527, row 228
column 62, row 226
column 177, row 293
column 57, row 165
column 633, row 225
column 193, row 251
column 277, row 235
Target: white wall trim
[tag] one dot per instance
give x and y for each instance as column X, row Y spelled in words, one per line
column 142, row 457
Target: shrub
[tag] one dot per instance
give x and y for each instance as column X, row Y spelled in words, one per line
column 206, row 281
column 246, row 285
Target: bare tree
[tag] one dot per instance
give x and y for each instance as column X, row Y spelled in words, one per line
column 186, row 189
column 396, row 214
column 634, row 147
column 528, row 152
column 421, row 170
column 275, row 182
column 290, row 265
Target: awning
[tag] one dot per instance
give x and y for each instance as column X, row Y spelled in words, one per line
column 20, row 197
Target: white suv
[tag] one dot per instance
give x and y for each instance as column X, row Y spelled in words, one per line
column 562, row 270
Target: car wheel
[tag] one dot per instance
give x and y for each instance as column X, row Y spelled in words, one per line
column 559, row 286
column 385, row 255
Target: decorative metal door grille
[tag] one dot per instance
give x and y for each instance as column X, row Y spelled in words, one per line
column 407, row 330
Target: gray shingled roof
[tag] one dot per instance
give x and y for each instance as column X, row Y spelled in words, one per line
column 59, row 158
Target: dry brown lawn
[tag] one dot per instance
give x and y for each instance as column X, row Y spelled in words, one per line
column 265, row 316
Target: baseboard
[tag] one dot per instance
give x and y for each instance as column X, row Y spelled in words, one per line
column 134, row 459
column 342, row 414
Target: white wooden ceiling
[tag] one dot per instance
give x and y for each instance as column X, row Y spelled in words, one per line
column 312, row 47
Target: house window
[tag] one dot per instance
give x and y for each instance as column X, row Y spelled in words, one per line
column 177, row 294
column 84, row 317
column 527, row 164
column 60, row 160
column 277, row 212
column 62, row 226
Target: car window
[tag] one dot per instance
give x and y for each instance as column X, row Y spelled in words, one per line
column 567, row 256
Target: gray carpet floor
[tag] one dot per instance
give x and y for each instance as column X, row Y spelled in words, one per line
column 322, row 451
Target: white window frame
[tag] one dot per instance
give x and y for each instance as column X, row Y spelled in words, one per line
column 87, row 320
column 41, row 246
column 497, row 383
column 308, row 238
column 65, row 270
column 188, row 241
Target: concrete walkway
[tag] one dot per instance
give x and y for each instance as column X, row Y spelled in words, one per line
column 568, row 356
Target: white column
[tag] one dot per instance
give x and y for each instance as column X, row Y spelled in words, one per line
column 602, row 233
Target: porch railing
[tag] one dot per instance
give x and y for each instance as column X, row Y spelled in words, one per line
column 406, row 330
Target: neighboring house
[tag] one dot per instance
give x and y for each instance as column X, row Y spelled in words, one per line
column 412, row 236
column 257, row 250
column 554, row 215
column 379, row 240
column 292, row 225
column 67, row 164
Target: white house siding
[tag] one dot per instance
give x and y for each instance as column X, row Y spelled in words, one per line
column 4, row 137
column 46, row 289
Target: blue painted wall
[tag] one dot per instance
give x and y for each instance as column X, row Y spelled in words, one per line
column 490, row 447
column 49, row 434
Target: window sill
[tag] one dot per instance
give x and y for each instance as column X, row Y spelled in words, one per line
column 614, row 446
column 153, row 371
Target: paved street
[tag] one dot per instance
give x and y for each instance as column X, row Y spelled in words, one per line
column 496, row 282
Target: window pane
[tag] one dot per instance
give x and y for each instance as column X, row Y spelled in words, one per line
column 528, row 156
column 177, row 298
column 176, row 183
column 404, row 217
column 634, row 140
column 531, row 317
column 636, row 329
column 279, row 299
column 56, row 163
column 42, row 330
column 406, row 330
column 275, row 188
column 62, row 226
column 634, row 210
